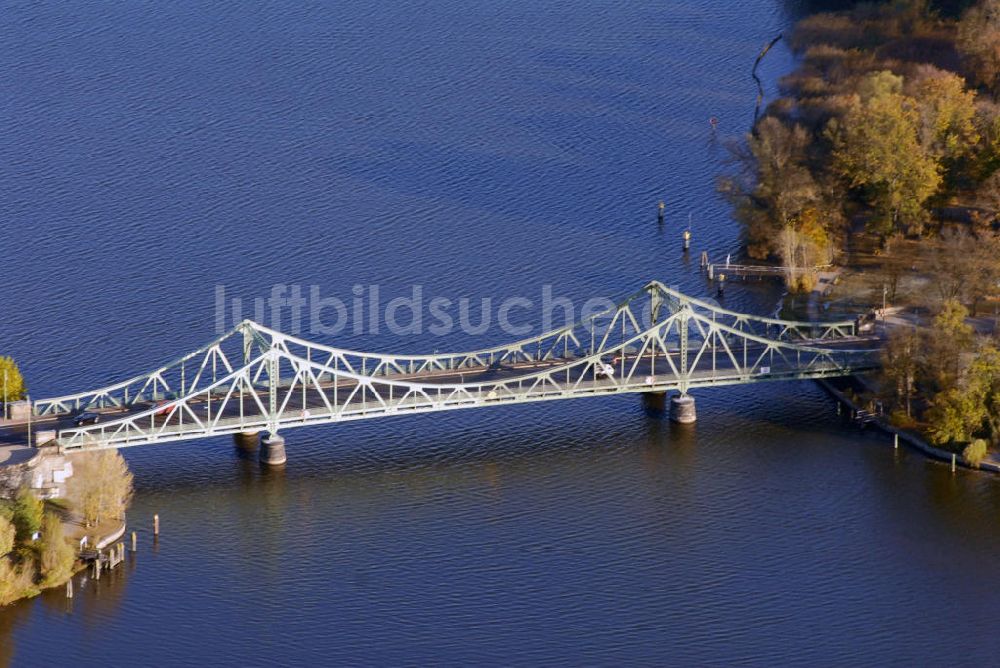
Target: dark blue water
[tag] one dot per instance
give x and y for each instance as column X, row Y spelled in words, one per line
column 153, row 153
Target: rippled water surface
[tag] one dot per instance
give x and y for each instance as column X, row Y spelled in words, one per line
column 151, row 152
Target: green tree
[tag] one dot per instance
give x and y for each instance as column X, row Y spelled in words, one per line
column 56, row 555
column 27, row 516
column 877, row 150
column 14, row 380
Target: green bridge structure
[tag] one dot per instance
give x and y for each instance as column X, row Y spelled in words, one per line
column 256, row 381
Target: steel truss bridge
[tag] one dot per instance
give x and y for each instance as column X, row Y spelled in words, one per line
column 257, row 379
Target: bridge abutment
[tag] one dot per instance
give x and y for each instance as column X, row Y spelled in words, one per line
column 272, row 450
column 682, row 409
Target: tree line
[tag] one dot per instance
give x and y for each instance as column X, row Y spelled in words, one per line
column 889, row 118
column 889, row 130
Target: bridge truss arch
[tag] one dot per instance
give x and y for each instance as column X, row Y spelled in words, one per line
column 255, row 378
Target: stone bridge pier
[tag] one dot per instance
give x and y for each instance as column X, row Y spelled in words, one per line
column 272, row 450
column 682, row 410
column 272, row 446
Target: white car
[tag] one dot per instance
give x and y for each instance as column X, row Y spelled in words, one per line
column 604, row 370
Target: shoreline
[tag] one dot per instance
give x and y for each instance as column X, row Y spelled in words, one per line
column 79, row 565
column 912, row 440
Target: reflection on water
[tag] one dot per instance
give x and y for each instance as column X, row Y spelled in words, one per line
column 592, row 533
column 10, row 618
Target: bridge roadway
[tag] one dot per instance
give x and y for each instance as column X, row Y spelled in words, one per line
column 642, row 373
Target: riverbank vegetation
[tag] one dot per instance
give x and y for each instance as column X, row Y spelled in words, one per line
column 883, row 152
column 35, row 554
column 38, row 540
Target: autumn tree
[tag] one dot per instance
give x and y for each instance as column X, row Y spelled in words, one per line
column 101, row 486
column 975, row 452
column 984, row 384
column 988, row 127
column 971, row 408
column 15, row 388
column 774, row 185
column 894, row 264
column 877, row 150
column 947, row 120
column 954, row 416
column 965, row 266
column 949, row 339
column 16, row 580
column 56, row 556
column 901, row 364
column 947, row 111
column 979, row 42
column 988, row 200
column 7, row 534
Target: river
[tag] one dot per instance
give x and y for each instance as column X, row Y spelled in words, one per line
column 153, row 154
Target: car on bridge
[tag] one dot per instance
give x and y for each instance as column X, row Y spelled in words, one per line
column 86, row 417
column 603, row 369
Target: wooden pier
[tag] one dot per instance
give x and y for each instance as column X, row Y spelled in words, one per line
column 759, row 271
